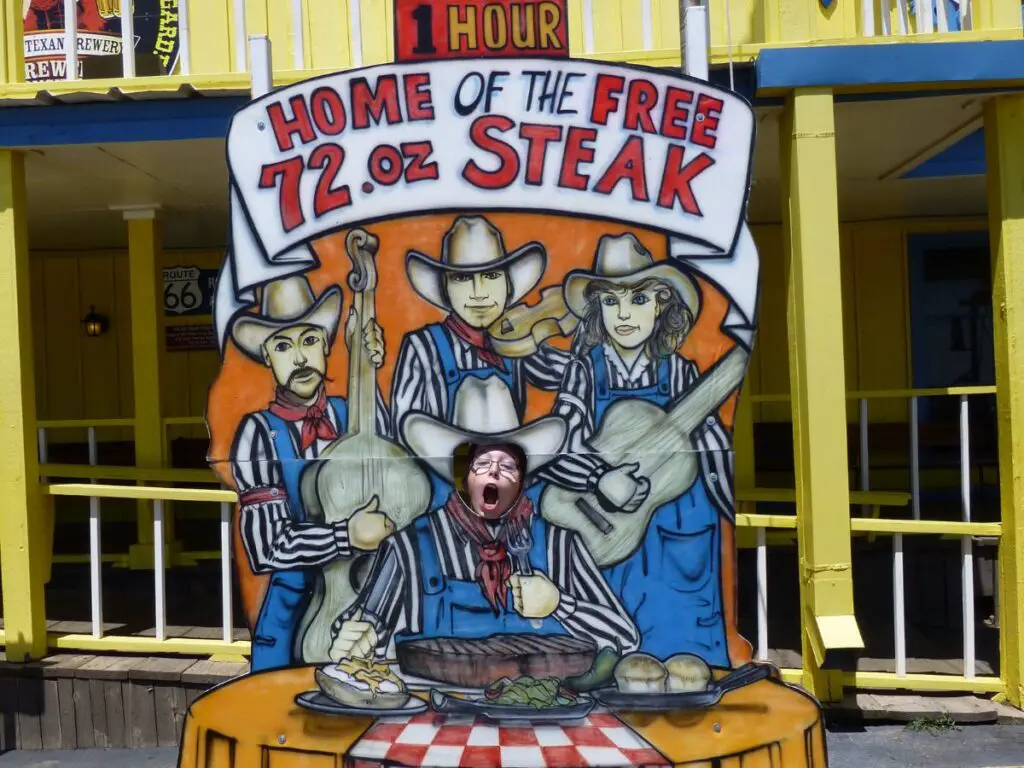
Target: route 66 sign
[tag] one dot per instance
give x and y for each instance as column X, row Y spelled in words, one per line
column 188, row 291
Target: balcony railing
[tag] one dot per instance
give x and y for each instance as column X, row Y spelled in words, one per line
column 312, row 36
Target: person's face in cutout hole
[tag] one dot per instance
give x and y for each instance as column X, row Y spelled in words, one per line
column 494, row 480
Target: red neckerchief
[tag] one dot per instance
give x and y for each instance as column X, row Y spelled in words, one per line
column 495, row 567
column 475, row 337
column 315, row 421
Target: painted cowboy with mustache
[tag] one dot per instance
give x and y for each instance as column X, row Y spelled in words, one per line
column 292, row 335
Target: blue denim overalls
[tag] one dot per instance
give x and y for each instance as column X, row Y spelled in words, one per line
column 671, row 585
column 273, row 639
column 458, row 608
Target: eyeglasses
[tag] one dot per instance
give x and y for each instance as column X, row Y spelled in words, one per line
column 506, row 467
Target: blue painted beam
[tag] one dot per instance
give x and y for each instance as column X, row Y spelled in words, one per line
column 964, row 158
column 885, row 66
column 123, row 121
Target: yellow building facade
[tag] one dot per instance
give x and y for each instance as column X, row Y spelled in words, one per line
column 867, row 115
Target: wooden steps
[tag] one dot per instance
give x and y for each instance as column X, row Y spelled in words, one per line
column 905, row 708
column 72, row 701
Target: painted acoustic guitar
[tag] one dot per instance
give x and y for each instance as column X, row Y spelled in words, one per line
column 357, row 466
column 640, row 432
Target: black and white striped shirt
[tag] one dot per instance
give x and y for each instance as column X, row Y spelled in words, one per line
column 419, row 380
column 271, row 538
column 579, row 467
column 392, row 602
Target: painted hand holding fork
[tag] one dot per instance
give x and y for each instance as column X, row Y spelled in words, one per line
column 534, row 596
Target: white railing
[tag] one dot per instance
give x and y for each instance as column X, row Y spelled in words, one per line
column 160, row 563
column 967, row 562
column 966, row 541
column 912, row 17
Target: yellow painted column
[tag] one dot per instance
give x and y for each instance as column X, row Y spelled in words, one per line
column 1004, row 128
column 145, row 287
column 23, row 540
column 815, row 325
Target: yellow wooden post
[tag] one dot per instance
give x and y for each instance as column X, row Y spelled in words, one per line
column 1004, row 127
column 815, row 324
column 12, row 35
column 23, row 543
column 145, row 285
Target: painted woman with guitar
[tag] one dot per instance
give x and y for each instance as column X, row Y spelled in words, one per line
column 631, row 401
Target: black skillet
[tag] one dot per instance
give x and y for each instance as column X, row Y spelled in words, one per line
column 666, row 702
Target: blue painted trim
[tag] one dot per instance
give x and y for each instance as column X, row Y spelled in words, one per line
column 896, row 64
column 965, row 158
column 156, row 120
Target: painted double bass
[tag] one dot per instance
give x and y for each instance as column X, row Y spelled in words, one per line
column 357, row 466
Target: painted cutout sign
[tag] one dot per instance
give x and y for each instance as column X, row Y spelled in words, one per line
column 484, row 322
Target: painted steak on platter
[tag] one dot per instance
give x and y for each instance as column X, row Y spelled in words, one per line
column 477, row 663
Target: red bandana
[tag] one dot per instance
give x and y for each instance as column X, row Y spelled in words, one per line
column 315, row 421
column 477, row 338
column 495, row 567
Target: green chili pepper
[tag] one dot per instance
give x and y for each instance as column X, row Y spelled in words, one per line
column 599, row 675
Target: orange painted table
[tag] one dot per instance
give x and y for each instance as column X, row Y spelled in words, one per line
column 254, row 721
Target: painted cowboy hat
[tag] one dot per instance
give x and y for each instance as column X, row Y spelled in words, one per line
column 484, row 414
column 623, row 260
column 474, row 245
column 284, row 304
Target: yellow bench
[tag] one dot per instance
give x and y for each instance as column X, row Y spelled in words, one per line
column 747, row 500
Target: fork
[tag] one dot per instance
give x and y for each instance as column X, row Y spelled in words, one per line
column 519, row 542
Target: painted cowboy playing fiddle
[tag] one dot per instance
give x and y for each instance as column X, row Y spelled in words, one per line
column 634, row 315
column 452, row 572
column 475, row 281
column 292, row 335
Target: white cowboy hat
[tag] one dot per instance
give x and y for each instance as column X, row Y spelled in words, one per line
column 474, row 245
column 623, row 260
column 483, row 414
column 284, row 304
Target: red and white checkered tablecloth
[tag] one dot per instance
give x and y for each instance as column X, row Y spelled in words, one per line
column 447, row 741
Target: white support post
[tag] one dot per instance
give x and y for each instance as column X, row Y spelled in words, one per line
column 355, row 25
column 227, row 608
column 865, row 456
column 159, row 587
column 696, row 42
column 941, row 18
column 70, row 39
column 967, row 566
column 184, row 40
column 867, row 17
column 762, row 596
column 262, row 67
column 298, row 35
column 588, row 26
column 885, row 11
column 915, row 461
column 95, row 546
column 898, row 606
column 127, row 39
column 240, row 35
column 647, row 24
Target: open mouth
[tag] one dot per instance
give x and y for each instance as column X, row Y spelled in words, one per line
column 490, row 494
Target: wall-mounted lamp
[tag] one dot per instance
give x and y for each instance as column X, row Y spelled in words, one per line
column 95, row 324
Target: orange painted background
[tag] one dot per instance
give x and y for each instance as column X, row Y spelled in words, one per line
column 244, row 386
